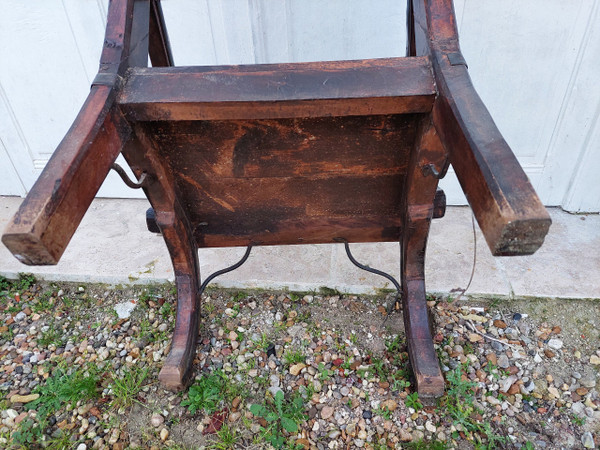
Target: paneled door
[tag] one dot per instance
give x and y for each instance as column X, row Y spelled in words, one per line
column 534, row 63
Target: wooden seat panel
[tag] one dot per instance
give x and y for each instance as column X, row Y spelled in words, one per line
column 289, row 181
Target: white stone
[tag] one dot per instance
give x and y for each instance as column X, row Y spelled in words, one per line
column 124, row 309
column 555, row 344
column 157, row 420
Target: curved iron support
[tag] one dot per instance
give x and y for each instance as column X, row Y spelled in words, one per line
column 376, row 272
column 128, row 181
column 223, row 271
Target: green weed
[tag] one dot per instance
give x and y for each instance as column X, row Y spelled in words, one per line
column 383, row 412
column 52, row 336
column 63, row 388
column 294, row 357
column 27, row 434
column 412, row 401
column 324, row 372
column 395, row 344
column 127, row 385
column 578, row 420
column 25, row 281
column 227, row 438
column 45, row 303
column 280, row 415
column 210, row 392
column 458, row 404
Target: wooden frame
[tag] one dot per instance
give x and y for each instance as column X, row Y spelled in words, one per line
column 237, row 155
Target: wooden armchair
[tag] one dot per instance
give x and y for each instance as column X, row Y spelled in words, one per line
column 281, row 154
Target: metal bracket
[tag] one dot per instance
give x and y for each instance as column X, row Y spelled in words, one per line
column 457, row 59
column 376, row 272
column 223, row 271
column 128, row 181
column 429, row 169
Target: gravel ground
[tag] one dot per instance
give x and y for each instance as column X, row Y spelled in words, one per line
column 79, row 367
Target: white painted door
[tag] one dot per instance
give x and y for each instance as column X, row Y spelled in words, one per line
column 534, row 64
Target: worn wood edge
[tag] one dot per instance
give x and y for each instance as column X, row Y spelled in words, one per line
column 415, row 62
column 28, row 248
column 43, row 225
column 510, row 214
column 521, row 237
column 289, row 109
column 364, row 87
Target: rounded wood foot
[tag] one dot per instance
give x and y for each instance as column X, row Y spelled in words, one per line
column 423, row 358
column 176, row 373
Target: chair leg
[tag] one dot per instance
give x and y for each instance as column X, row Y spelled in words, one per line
column 176, row 373
column 170, row 219
column 421, row 206
column 423, row 358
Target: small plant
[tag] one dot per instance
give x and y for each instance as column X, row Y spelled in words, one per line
column 353, row 338
column 379, row 368
column 27, row 434
column 209, row 392
column 7, row 336
column 426, row 445
column 294, row 357
column 52, row 336
column 412, row 401
column 44, row 303
column 395, row 345
column 492, row 370
column 280, row 415
column 383, row 412
column 262, row 343
column 239, row 296
column 126, row 387
column 578, row 420
column 25, row 281
column 63, row 388
column 167, row 311
column 227, row 438
column 324, row 372
column 400, row 384
column 458, row 404
column 5, row 285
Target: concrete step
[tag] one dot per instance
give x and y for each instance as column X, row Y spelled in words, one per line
column 113, row 246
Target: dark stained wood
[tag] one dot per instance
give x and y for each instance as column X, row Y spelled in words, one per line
column 138, row 53
column 142, row 156
column 269, row 91
column 439, row 204
column 160, row 49
column 47, row 219
column 117, row 39
column 509, row 212
column 289, row 181
column 420, row 192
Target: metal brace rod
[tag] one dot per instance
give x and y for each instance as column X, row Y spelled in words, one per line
column 128, row 181
column 223, row 271
column 375, row 271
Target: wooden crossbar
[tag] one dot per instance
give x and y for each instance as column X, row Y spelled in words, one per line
column 274, row 91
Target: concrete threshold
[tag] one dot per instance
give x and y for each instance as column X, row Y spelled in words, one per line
column 113, row 246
